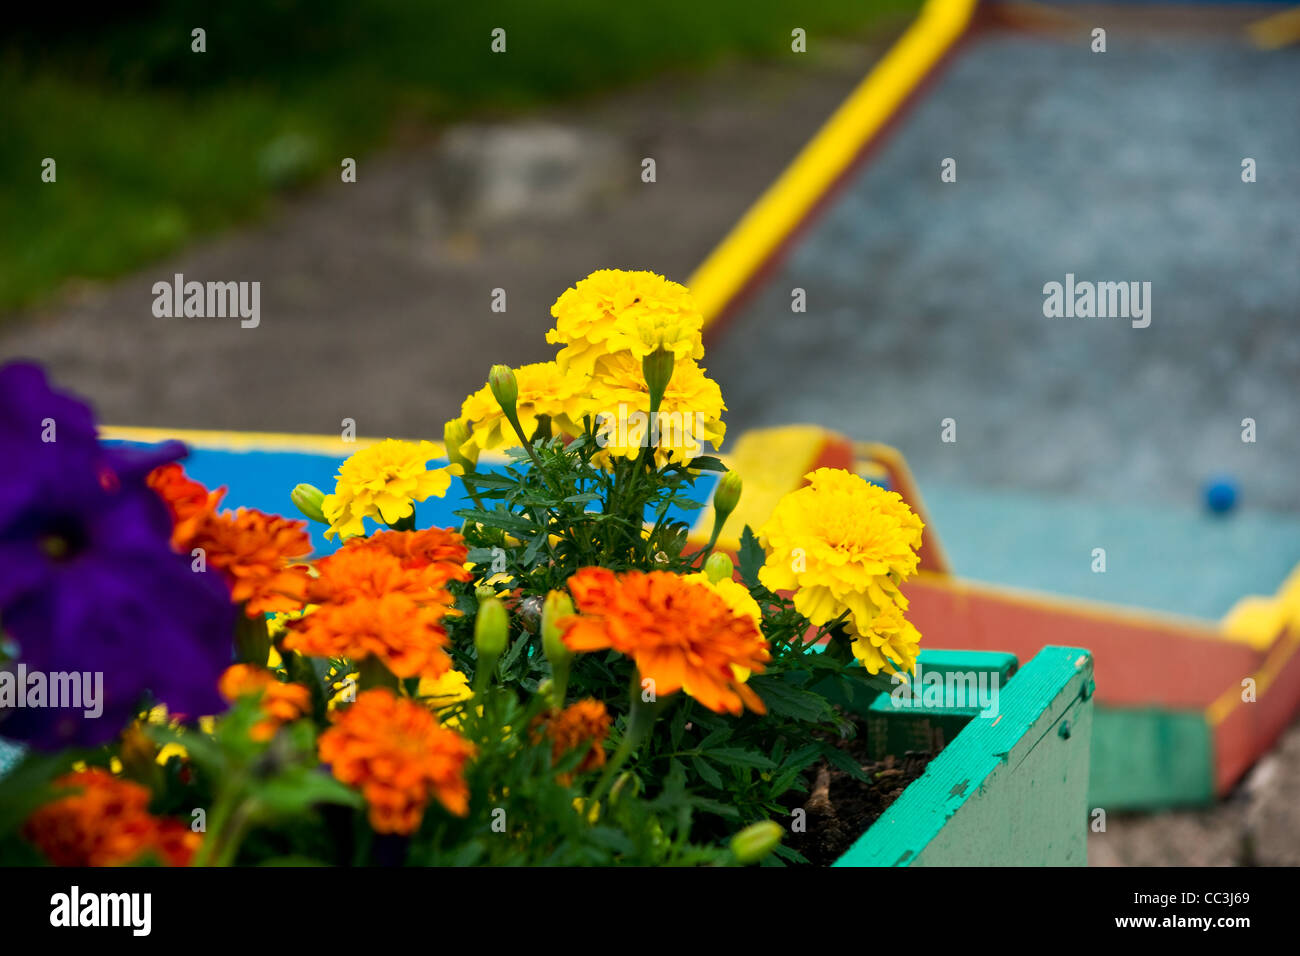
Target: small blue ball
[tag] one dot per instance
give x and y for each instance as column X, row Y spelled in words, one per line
column 1221, row 495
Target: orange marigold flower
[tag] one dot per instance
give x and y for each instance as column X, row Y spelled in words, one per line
column 254, row 551
column 442, row 549
column 582, row 725
column 361, row 570
column 681, row 634
column 186, row 500
column 369, row 603
column 400, row 757
column 405, row 635
column 281, row 702
column 176, row 843
column 105, row 821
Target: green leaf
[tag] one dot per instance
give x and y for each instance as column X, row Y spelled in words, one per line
column 844, row 762
column 794, row 765
column 736, row 757
column 787, row 700
column 707, row 463
column 751, row 557
column 504, row 520
column 802, row 757
column 486, row 480
column 706, row 771
column 677, row 727
column 534, row 547
column 298, row 789
column 716, row 808
column 786, row 853
column 718, row 736
column 512, row 655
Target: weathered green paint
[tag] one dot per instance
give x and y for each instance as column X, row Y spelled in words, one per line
column 1146, row 759
column 895, row 730
column 1007, row 790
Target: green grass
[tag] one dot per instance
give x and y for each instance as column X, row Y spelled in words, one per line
column 156, row 145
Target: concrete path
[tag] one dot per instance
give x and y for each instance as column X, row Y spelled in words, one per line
column 376, row 296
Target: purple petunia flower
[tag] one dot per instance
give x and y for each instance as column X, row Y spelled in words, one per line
column 89, row 584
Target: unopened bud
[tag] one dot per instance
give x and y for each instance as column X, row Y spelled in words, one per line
column 491, row 633
column 756, row 841
column 718, row 567
column 505, row 389
column 727, row 495
column 557, row 607
column 491, row 629
column 657, row 367
column 308, row 499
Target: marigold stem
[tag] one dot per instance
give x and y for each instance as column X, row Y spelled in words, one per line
column 640, row 719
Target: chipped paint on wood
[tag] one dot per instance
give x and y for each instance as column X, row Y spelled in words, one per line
column 1008, row 791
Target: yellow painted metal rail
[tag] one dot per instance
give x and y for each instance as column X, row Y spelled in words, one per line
column 828, row 155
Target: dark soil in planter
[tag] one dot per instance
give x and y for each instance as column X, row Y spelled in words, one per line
column 840, row 807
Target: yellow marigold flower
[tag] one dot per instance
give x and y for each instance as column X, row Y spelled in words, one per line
column 689, row 415
column 439, row 693
column 891, row 639
column 344, row 688
column 543, row 390
column 843, row 544
column 733, row 593
column 159, row 717
column 277, row 625
column 614, row 311
column 383, row 482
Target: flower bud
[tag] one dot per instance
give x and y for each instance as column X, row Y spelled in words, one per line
column 491, row 634
column 454, row 435
column 719, row 567
column 308, row 499
column 505, row 389
column 727, row 495
column 557, row 607
column 491, row 629
column 657, row 367
column 756, row 841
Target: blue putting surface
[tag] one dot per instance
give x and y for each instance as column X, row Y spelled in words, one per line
column 1164, row 559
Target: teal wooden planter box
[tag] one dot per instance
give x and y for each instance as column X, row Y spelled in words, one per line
column 1008, row 789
